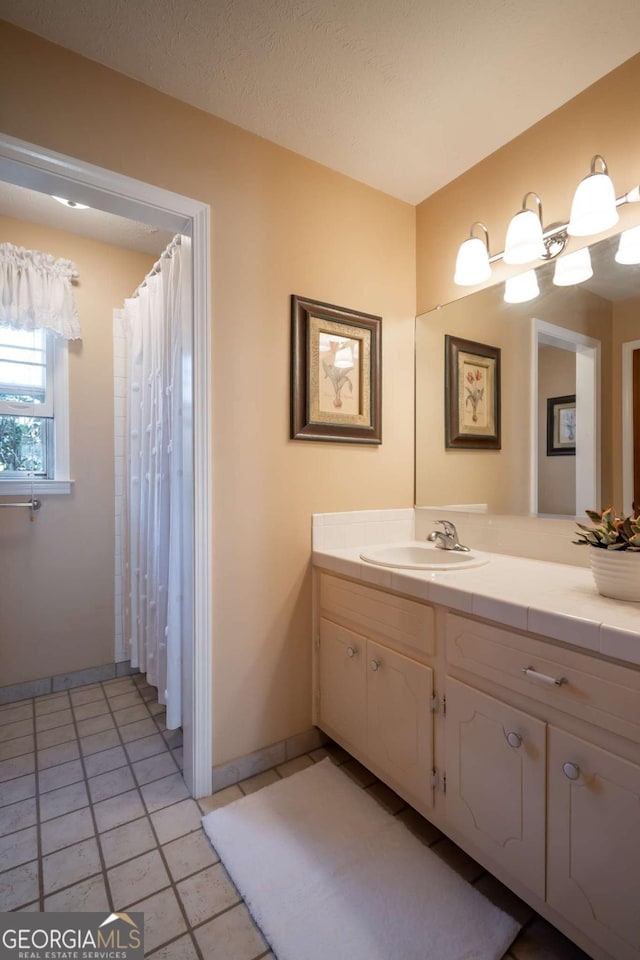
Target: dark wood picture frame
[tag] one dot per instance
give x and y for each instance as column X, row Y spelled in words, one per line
column 336, row 373
column 558, row 445
column 472, row 395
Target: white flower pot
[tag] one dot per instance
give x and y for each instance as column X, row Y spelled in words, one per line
column 616, row 573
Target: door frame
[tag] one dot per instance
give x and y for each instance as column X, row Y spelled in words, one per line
column 627, row 423
column 28, row 165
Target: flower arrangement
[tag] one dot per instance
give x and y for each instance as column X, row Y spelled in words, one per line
column 611, row 532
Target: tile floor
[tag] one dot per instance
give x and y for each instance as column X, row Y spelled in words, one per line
column 94, row 815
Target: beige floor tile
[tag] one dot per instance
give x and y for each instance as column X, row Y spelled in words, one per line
column 17, row 816
column 419, row 826
column 95, row 708
column 53, row 704
column 131, row 714
column 155, row 708
column 503, row 898
column 66, row 830
column 147, row 747
column 189, row 854
column 19, row 766
column 160, row 717
column 49, row 721
column 137, row 878
column 154, row 768
column 64, row 800
column 127, row 841
column 18, row 886
column 177, row 754
column 89, row 896
column 114, row 688
column 163, row 919
column 177, row 820
column 51, row 738
column 20, row 847
column 17, row 747
column 12, row 712
column 252, row 784
column 70, row 865
column 97, row 724
column 138, row 730
column 173, row 738
column 541, row 941
column 162, row 793
column 124, row 700
column 60, row 776
column 147, row 692
column 104, row 761
column 19, row 789
column 458, row 860
column 53, row 756
column 111, row 784
column 181, row 949
column 207, row 893
column 386, row 797
column 118, row 810
column 20, row 728
column 293, row 766
column 231, row 936
column 220, row 799
column 358, row 773
column 87, row 694
column 98, row 742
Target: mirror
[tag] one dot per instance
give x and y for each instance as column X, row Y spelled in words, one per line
column 578, row 340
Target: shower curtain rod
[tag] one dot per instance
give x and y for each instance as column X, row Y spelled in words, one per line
column 168, row 250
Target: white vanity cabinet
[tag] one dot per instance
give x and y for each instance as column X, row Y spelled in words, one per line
column 374, row 684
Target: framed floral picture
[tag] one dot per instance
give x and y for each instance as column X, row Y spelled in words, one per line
column 561, row 426
column 472, row 395
column 335, row 373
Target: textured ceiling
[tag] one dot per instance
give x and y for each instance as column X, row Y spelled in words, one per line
column 22, row 204
column 401, row 94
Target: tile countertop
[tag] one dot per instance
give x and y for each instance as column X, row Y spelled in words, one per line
column 554, row 600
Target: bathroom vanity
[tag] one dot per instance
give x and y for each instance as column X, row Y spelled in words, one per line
column 504, row 719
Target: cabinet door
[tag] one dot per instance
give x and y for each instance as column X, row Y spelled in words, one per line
column 343, row 682
column 399, row 719
column 593, row 858
column 495, row 765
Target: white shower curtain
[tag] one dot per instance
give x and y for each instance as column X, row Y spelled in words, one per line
column 155, row 319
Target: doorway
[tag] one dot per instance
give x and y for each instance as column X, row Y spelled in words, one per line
column 30, row 166
column 630, row 425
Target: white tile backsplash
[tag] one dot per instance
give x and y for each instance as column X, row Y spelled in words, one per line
column 334, row 531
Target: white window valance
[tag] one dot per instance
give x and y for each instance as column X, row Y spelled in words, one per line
column 36, row 292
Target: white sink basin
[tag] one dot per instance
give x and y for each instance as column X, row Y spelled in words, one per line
column 422, row 556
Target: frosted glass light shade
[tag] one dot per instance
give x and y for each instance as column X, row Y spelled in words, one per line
column 594, row 206
column 522, row 288
column 472, row 263
column 629, row 246
column 524, row 238
column 573, row 268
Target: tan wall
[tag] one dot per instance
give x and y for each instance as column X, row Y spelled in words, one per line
column 281, row 225
column 556, row 475
column 499, row 478
column 57, row 574
column 626, row 328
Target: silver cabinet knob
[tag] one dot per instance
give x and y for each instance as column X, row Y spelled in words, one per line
column 514, row 739
column 375, row 665
column 351, row 651
column 571, row 771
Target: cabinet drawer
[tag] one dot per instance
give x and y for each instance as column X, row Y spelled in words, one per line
column 406, row 625
column 599, row 692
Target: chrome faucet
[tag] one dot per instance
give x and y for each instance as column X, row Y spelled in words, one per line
column 447, row 538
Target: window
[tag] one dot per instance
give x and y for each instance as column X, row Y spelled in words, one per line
column 33, row 411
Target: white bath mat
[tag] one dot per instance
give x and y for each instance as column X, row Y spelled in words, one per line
column 329, row 875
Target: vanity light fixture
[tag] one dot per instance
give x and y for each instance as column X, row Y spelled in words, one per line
column 573, row 268
column 524, row 241
column 472, row 263
column 71, row 203
column 521, row 288
column 594, row 209
column 629, row 247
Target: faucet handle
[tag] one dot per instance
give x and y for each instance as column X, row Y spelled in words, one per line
column 449, row 528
